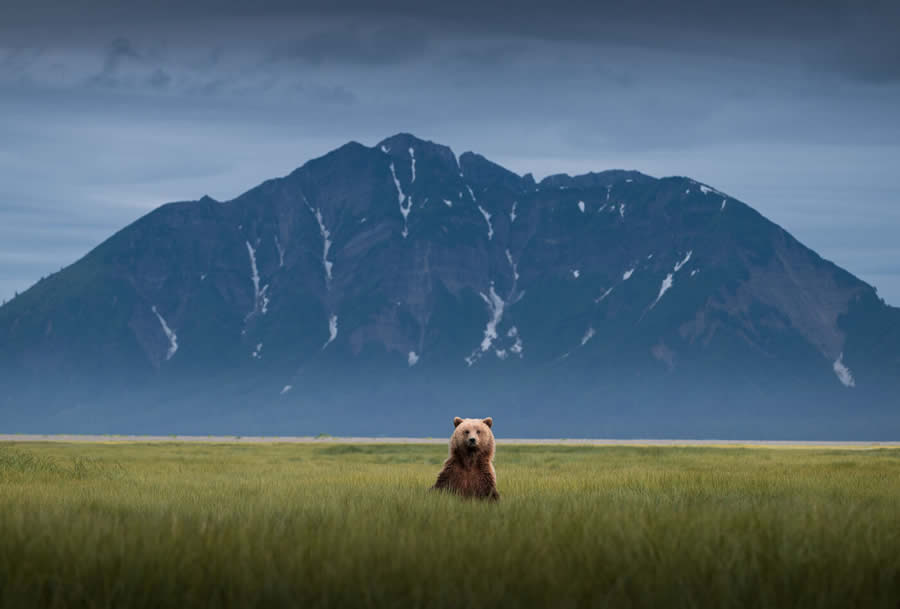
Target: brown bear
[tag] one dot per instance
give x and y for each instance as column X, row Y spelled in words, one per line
column 469, row 470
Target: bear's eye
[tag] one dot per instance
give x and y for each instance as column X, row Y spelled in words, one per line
column 478, row 432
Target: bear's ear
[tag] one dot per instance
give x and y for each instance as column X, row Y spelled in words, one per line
column 488, row 421
column 457, row 421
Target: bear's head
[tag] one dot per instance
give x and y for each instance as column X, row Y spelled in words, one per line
column 472, row 437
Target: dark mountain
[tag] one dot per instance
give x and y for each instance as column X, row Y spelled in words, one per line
column 382, row 290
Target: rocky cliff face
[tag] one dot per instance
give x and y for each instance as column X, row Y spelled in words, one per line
column 374, row 289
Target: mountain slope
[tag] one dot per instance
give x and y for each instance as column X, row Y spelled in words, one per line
column 377, row 290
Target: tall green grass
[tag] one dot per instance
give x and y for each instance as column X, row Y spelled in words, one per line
column 106, row 525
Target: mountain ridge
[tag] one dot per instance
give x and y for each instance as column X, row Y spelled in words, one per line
column 366, row 264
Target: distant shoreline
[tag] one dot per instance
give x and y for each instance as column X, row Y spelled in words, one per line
column 188, row 439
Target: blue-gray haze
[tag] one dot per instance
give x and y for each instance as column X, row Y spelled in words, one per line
column 108, row 109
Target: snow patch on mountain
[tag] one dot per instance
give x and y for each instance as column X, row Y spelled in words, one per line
column 515, row 267
column 627, row 274
column 666, row 285
column 581, row 206
column 603, row 296
column 412, row 358
column 517, row 348
column 254, row 272
column 694, row 272
column 471, row 194
column 448, row 202
column 332, row 330
column 706, row 189
column 622, row 210
column 843, row 372
column 487, row 218
column 170, row 334
column 679, row 265
column 512, row 213
column 412, row 159
column 257, row 352
column 260, row 299
column 576, row 273
column 587, row 336
column 409, row 204
column 401, row 199
column 285, row 389
column 280, row 252
column 326, row 244
column 724, row 201
column 496, row 306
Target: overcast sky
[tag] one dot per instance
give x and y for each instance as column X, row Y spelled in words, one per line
column 109, row 109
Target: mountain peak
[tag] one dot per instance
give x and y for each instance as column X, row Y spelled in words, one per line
column 401, row 140
column 400, row 144
column 402, row 281
column 410, row 148
column 482, row 172
column 594, row 179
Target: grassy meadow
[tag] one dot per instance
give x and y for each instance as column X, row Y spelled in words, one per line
column 330, row 525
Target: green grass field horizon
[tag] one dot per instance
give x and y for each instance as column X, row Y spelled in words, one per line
column 338, row 525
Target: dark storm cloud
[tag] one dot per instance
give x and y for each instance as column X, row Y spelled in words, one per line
column 160, row 79
column 355, row 44
column 858, row 38
column 119, row 51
